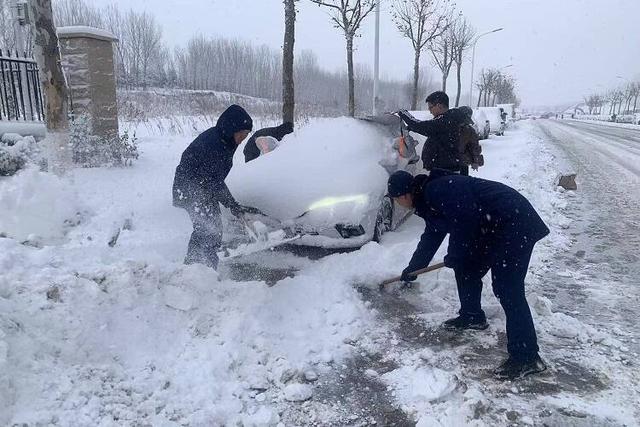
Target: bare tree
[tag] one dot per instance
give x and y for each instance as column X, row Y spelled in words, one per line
column 143, row 35
column 463, row 34
column 348, row 16
column 47, row 54
column 7, row 38
column 288, row 84
column 420, row 21
column 442, row 50
column 496, row 87
column 591, row 101
column 76, row 12
column 631, row 93
column 636, row 95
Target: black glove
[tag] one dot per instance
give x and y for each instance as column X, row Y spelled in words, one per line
column 403, row 114
column 407, row 118
column 406, row 275
column 451, row 262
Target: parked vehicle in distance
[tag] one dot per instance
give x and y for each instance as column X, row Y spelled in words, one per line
column 481, row 124
column 494, row 116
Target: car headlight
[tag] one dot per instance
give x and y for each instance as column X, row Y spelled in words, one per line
column 329, row 202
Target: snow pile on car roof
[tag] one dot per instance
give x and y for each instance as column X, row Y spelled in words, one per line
column 335, row 158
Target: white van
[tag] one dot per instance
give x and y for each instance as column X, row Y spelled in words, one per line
column 495, row 119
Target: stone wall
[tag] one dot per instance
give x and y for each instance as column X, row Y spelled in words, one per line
column 87, row 59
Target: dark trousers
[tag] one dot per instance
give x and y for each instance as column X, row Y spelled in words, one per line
column 508, row 272
column 206, row 237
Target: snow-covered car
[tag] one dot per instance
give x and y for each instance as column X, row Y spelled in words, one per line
column 626, row 118
column 328, row 180
column 481, row 124
column 493, row 114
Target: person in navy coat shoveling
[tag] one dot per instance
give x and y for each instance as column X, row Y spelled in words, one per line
column 199, row 187
column 491, row 227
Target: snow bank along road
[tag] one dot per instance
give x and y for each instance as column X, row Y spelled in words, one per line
column 124, row 334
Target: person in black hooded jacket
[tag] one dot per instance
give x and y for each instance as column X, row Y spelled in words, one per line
column 251, row 150
column 491, row 227
column 199, row 187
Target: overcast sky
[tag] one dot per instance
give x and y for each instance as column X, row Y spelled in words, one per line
column 560, row 49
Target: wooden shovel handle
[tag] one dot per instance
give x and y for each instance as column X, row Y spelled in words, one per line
column 416, row 273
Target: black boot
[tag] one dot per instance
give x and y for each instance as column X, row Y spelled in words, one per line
column 463, row 322
column 512, row 369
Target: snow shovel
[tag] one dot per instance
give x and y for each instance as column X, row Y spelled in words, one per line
column 433, row 267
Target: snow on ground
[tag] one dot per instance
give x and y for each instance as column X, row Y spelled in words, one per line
column 121, row 334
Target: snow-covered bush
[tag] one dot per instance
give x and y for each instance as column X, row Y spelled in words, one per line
column 38, row 207
column 92, row 151
column 15, row 153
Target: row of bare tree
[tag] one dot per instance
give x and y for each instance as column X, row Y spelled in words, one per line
column 623, row 100
column 234, row 65
column 495, row 87
column 431, row 26
column 140, row 54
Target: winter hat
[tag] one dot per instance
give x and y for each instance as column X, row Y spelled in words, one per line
column 399, row 183
column 234, row 119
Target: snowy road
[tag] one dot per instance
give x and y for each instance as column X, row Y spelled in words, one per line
column 606, row 230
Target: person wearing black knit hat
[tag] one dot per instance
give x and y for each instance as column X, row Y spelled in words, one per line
column 251, row 150
column 491, row 227
column 199, row 187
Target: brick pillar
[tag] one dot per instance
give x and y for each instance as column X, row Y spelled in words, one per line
column 87, row 59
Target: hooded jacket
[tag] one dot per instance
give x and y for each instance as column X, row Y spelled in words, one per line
column 251, row 150
column 205, row 164
column 485, row 220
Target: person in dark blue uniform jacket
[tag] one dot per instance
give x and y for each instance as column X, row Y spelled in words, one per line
column 199, row 187
column 491, row 227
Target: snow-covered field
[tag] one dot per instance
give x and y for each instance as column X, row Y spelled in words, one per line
column 124, row 334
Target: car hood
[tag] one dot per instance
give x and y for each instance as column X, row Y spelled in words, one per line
column 328, row 168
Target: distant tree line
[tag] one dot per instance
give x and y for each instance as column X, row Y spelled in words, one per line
column 621, row 100
column 224, row 64
column 144, row 60
column 496, row 87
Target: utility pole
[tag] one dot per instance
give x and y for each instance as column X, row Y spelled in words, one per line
column 376, row 60
column 473, row 57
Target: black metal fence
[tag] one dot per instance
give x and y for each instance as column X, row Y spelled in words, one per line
column 20, row 93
